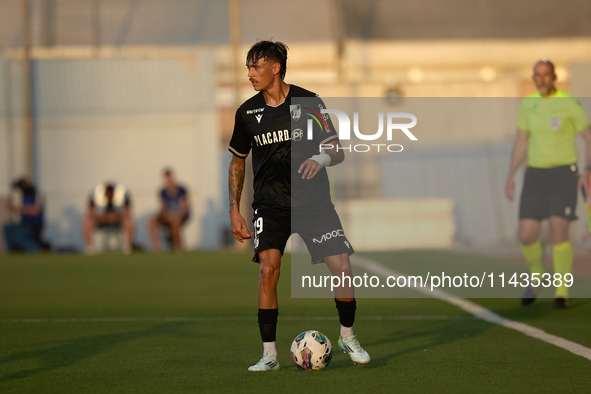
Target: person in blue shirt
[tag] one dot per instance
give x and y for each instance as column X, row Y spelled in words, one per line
column 26, row 236
column 173, row 213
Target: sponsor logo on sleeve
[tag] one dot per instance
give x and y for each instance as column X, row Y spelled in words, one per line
column 324, row 115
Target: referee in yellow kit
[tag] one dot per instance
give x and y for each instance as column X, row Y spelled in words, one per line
column 548, row 123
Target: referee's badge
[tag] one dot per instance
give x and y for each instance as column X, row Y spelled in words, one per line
column 296, row 111
column 567, row 210
column 555, row 123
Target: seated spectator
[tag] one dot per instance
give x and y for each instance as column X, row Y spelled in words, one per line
column 26, row 236
column 173, row 213
column 109, row 208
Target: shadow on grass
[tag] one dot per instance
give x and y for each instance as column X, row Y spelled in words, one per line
column 541, row 308
column 430, row 335
column 434, row 334
column 334, row 364
column 68, row 353
column 438, row 334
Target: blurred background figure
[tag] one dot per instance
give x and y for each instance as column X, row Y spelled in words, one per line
column 26, row 236
column 173, row 213
column 108, row 218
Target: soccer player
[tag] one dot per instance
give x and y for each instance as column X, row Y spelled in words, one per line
column 173, row 213
column 263, row 124
column 548, row 123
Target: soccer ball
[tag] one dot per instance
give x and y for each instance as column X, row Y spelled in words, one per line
column 311, row 351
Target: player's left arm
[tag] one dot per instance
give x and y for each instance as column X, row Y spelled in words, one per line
column 331, row 155
column 584, row 178
column 331, row 152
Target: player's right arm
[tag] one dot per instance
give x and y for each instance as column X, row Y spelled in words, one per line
column 517, row 157
column 235, row 185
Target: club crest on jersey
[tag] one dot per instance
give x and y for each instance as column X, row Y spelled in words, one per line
column 555, row 123
column 259, row 117
column 295, row 111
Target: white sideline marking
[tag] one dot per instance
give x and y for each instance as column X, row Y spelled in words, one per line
column 222, row 318
column 479, row 311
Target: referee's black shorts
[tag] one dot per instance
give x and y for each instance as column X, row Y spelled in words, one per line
column 549, row 192
column 321, row 231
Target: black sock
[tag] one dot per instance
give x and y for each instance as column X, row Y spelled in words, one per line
column 346, row 312
column 268, row 324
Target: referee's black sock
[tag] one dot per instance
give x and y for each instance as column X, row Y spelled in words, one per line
column 346, row 312
column 268, row 324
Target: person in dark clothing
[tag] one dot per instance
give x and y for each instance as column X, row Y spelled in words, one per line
column 26, row 236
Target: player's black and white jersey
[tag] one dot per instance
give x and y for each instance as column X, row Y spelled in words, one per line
column 278, row 137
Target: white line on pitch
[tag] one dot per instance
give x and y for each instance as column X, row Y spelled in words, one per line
column 479, row 311
column 222, row 318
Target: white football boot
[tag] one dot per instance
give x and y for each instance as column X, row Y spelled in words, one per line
column 267, row 363
column 351, row 345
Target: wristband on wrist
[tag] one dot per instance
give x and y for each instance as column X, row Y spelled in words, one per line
column 323, row 159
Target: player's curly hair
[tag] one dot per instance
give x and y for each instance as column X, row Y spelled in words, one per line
column 274, row 51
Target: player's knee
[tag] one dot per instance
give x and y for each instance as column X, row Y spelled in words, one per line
column 527, row 237
column 559, row 231
column 558, row 238
column 268, row 273
column 527, row 240
column 340, row 264
column 344, row 268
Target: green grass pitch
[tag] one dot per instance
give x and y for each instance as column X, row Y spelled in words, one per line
column 168, row 323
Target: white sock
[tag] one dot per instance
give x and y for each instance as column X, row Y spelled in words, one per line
column 270, row 347
column 346, row 331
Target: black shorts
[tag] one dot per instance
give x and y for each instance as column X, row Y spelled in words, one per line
column 321, row 231
column 549, row 192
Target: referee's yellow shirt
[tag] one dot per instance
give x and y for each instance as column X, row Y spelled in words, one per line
column 552, row 123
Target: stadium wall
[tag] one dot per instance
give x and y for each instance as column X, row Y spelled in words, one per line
column 124, row 119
